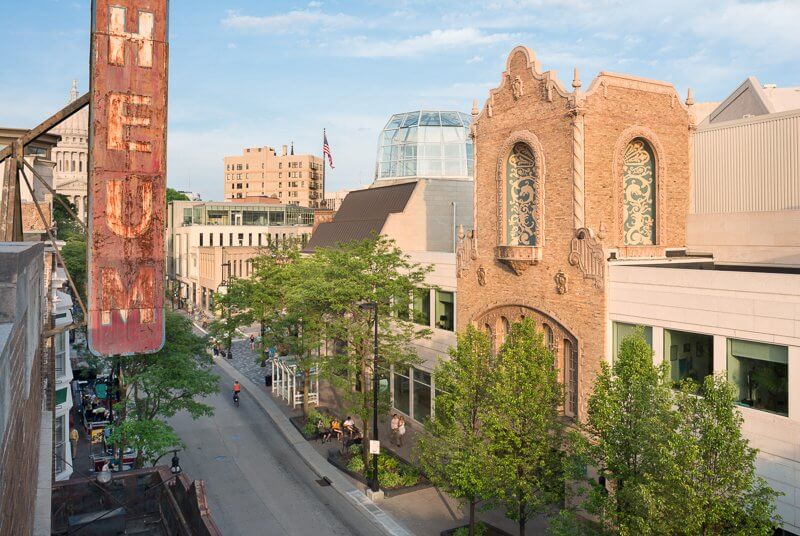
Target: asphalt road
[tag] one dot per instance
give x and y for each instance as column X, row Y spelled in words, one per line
column 255, row 482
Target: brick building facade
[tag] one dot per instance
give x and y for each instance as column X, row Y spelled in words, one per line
column 23, row 370
column 563, row 181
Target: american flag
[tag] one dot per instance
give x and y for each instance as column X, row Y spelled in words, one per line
column 326, row 149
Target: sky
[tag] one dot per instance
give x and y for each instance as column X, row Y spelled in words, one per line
column 262, row 72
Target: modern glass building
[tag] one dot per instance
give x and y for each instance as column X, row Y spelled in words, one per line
column 425, row 144
column 246, row 214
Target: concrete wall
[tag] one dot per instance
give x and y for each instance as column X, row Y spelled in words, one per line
column 747, row 237
column 22, row 306
column 762, row 307
column 428, row 221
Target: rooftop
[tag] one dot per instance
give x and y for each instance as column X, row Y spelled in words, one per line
column 362, row 214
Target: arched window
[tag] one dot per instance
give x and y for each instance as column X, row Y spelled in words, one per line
column 639, row 194
column 570, row 378
column 548, row 337
column 521, row 196
column 505, row 329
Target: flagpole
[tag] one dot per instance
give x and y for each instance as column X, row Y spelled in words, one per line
column 322, row 200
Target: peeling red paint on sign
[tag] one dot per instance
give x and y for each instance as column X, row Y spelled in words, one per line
column 127, row 176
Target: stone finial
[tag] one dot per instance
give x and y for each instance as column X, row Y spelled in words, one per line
column 576, row 81
column 73, row 92
column 461, row 233
column 475, row 107
column 689, row 97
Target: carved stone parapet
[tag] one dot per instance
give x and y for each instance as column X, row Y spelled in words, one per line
column 518, row 258
column 587, row 254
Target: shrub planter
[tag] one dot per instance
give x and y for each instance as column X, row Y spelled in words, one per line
column 299, row 422
column 491, row 530
column 340, row 461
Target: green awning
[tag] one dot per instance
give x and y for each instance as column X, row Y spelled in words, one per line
column 61, row 396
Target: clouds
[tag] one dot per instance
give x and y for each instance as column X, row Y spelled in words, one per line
column 292, row 22
column 435, row 41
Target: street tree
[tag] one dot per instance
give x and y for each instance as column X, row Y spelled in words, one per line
column 523, row 427
column 630, row 431
column 453, row 451
column 713, row 489
column 154, row 387
column 372, row 270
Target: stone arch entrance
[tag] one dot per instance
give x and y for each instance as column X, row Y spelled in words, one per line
column 562, row 342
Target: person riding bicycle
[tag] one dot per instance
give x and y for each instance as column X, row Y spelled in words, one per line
column 236, row 389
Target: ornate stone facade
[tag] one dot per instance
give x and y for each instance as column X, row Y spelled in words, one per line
column 578, row 205
column 71, row 157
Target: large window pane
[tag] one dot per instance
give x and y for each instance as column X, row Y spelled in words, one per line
column 422, row 307
column 60, row 445
column 422, row 395
column 691, row 355
column 760, row 373
column 444, row 310
column 622, row 330
column 402, row 392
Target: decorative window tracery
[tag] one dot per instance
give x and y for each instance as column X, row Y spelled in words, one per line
column 639, row 194
column 521, row 196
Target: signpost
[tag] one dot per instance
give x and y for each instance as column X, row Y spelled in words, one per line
column 127, row 176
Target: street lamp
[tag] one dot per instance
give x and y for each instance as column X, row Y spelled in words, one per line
column 373, row 306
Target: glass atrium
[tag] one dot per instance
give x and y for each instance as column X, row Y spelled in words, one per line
column 425, row 144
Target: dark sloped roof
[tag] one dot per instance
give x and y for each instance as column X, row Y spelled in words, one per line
column 363, row 213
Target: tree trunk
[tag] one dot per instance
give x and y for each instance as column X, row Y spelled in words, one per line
column 522, row 519
column 472, row 503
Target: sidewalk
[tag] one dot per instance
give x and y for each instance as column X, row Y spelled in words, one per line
column 425, row 512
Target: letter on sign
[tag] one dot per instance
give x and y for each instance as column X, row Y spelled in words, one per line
column 127, row 176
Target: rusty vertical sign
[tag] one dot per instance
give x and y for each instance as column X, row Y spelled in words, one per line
column 127, row 181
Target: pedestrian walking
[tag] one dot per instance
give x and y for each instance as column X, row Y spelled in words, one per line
column 73, row 439
column 252, row 342
column 393, row 427
column 401, row 431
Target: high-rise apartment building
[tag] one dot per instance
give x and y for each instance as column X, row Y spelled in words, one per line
column 260, row 171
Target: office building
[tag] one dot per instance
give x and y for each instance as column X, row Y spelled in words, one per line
column 295, row 179
column 224, row 230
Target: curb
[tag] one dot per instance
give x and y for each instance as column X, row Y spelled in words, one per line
column 382, row 520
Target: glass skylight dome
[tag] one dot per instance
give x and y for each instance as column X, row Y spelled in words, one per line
column 425, row 144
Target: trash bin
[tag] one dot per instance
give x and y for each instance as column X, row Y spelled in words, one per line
column 268, row 380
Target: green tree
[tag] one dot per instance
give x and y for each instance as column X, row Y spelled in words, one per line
column 453, row 450
column 66, row 226
column 175, row 195
column 523, row 427
column 713, row 489
column 154, row 387
column 630, row 430
column 74, row 255
column 370, row 270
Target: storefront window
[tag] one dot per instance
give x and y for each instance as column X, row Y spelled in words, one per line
column 422, row 395
column 444, row 310
column 422, row 307
column 622, row 330
column 60, row 445
column 691, row 355
column 761, row 374
column 402, row 391
column 61, row 353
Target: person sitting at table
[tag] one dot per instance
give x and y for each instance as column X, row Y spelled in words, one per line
column 321, row 431
column 336, row 429
column 349, row 425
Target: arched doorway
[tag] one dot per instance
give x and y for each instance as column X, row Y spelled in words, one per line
column 560, row 340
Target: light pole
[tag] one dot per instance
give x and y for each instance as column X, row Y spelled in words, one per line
column 373, row 306
column 223, row 289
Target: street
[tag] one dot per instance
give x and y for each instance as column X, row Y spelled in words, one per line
column 255, row 482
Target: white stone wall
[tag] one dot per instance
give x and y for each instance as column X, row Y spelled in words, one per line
column 763, row 307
